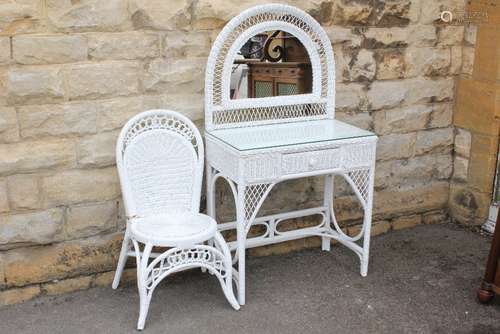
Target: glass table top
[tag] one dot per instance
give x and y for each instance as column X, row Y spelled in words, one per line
column 287, row 134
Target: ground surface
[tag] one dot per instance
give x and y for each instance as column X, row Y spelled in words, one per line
column 421, row 280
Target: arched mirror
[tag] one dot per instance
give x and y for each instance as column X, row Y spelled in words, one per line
column 269, row 64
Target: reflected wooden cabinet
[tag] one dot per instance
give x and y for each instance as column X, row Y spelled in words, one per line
column 277, row 79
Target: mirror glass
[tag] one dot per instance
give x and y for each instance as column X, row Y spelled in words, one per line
column 272, row 63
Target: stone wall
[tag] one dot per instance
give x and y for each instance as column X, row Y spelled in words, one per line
column 72, row 73
column 476, row 115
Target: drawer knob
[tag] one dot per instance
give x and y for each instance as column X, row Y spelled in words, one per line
column 313, row 162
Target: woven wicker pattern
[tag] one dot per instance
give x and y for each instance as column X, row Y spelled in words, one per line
column 263, row 113
column 220, row 109
column 361, row 178
column 279, row 14
column 150, row 157
column 160, row 160
column 253, row 200
column 256, row 143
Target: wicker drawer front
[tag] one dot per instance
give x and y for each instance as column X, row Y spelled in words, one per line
column 292, row 163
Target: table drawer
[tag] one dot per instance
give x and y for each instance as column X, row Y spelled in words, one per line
column 300, row 162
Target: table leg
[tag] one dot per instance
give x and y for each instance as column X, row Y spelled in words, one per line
column 367, row 224
column 210, row 200
column 210, row 192
column 241, row 241
column 327, row 202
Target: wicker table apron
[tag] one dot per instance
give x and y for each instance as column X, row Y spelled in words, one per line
column 256, row 143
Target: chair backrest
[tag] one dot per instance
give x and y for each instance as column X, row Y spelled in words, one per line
column 160, row 161
column 223, row 112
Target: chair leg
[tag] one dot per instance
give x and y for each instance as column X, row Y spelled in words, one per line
column 121, row 260
column 142, row 275
column 227, row 283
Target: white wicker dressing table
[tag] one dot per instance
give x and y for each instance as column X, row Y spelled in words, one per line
column 259, row 142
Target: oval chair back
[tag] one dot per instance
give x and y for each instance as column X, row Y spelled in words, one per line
column 160, row 161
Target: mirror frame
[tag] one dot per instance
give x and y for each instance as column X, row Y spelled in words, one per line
column 271, row 17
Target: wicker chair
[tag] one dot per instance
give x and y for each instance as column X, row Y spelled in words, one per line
column 160, row 160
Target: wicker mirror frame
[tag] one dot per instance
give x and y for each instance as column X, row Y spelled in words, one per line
column 222, row 112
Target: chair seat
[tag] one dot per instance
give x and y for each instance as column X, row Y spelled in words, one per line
column 175, row 230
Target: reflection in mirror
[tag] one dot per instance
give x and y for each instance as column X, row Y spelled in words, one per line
column 273, row 63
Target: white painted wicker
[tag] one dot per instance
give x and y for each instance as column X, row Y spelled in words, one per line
column 256, row 143
column 160, row 162
column 222, row 112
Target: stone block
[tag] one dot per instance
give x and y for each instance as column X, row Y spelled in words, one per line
column 30, row 156
column 19, row 16
column 352, row 13
column 61, row 260
column 186, row 45
column 386, row 94
column 173, row 76
column 402, row 120
column 15, row 296
column 450, row 35
column 98, row 80
column 460, row 168
column 34, row 85
column 430, row 90
column 411, row 199
column 397, row 13
column 360, row 65
column 346, row 37
column 462, row 142
column 214, row 14
column 31, row 228
column 441, row 115
column 361, row 119
column 414, row 171
column 50, row 49
column 113, row 114
column 427, row 61
column 435, row 217
column 124, row 45
column 380, row 227
column 161, row 15
column 67, row 285
column 487, row 53
column 351, row 96
column 4, row 50
column 90, row 219
column 475, row 106
column 395, row 37
column 4, row 199
column 97, row 150
column 85, row 15
column 482, row 162
column 470, row 33
column 406, row 222
column 9, row 129
column 24, row 191
column 190, row 105
column 67, row 119
column 465, row 204
column 456, row 59
column 396, row 146
column 106, row 278
column 467, row 60
column 77, row 186
column 434, row 140
column 389, row 94
column 391, row 64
